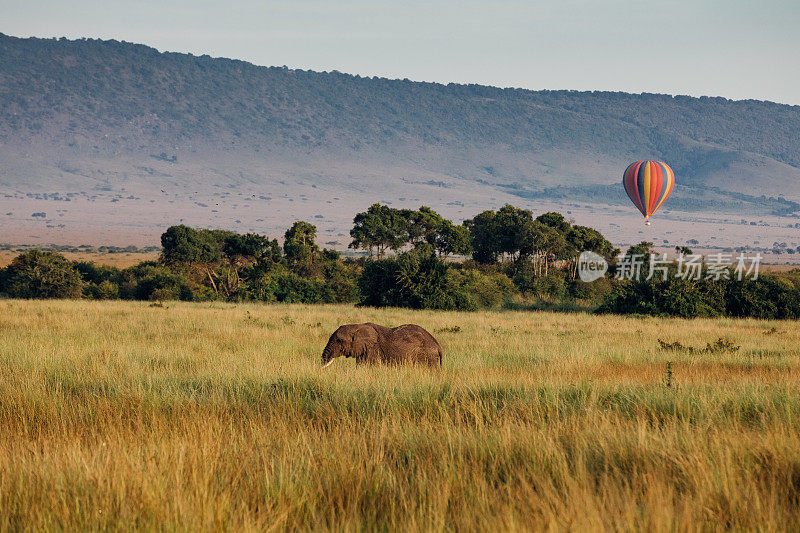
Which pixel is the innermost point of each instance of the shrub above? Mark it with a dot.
(105, 290)
(3, 280)
(595, 291)
(416, 279)
(149, 281)
(671, 297)
(285, 286)
(551, 286)
(341, 284)
(490, 289)
(100, 282)
(766, 297)
(38, 274)
(377, 283)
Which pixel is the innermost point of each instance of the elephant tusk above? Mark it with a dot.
(329, 363)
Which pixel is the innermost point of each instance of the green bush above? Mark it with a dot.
(377, 283)
(149, 281)
(552, 286)
(105, 290)
(671, 297)
(341, 283)
(767, 297)
(285, 286)
(100, 282)
(595, 291)
(38, 274)
(3, 280)
(487, 289)
(415, 279)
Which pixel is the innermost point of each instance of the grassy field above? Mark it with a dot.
(118, 415)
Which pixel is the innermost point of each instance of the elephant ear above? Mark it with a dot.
(365, 344)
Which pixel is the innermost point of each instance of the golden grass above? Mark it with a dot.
(119, 415)
(119, 260)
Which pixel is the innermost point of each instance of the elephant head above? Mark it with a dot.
(352, 340)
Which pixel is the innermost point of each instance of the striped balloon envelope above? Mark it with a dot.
(648, 184)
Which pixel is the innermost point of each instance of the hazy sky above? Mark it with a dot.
(732, 48)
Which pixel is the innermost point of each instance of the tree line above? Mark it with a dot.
(507, 257)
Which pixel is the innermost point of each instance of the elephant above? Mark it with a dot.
(372, 343)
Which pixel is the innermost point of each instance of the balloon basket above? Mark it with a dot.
(646, 222)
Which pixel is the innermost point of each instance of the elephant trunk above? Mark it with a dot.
(327, 358)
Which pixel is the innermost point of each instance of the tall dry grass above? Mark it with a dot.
(119, 415)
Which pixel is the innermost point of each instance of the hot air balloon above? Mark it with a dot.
(648, 184)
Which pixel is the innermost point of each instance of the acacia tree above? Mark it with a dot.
(555, 221)
(299, 245)
(483, 230)
(380, 227)
(190, 248)
(497, 234)
(513, 231)
(242, 251)
(251, 248)
(542, 243)
(422, 225)
(582, 238)
(452, 239)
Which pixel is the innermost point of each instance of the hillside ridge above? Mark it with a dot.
(110, 119)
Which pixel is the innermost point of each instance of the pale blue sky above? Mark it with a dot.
(732, 48)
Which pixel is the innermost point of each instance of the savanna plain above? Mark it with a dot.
(207, 416)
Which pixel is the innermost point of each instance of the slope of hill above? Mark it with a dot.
(130, 133)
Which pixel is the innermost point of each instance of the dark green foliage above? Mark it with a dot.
(484, 289)
(202, 264)
(3, 281)
(770, 296)
(415, 279)
(421, 225)
(252, 247)
(595, 291)
(671, 297)
(380, 228)
(104, 290)
(514, 233)
(643, 249)
(149, 281)
(377, 283)
(483, 229)
(421, 282)
(182, 244)
(766, 297)
(100, 282)
(38, 274)
(383, 228)
(553, 285)
(299, 244)
(580, 238)
(555, 221)
(452, 239)
(341, 278)
(288, 287)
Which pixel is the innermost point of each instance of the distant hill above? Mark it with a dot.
(114, 120)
